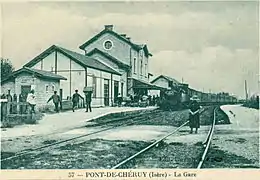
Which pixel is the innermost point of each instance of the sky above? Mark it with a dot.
(212, 46)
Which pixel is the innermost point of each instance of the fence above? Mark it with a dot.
(16, 111)
(67, 104)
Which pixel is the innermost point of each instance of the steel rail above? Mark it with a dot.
(28, 151)
(155, 143)
(148, 147)
(208, 140)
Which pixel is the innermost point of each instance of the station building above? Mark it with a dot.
(111, 64)
(25, 79)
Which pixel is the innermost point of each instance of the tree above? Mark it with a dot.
(6, 68)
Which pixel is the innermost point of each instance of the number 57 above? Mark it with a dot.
(71, 174)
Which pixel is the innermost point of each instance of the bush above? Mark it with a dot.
(252, 103)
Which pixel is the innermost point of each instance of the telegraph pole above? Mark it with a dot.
(246, 90)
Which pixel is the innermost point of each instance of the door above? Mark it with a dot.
(122, 89)
(116, 86)
(61, 97)
(106, 92)
(25, 89)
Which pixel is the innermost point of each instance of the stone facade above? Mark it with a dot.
(44, 88)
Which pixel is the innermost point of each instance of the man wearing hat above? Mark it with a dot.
(194, 118)
(75, 99)
(56, 100)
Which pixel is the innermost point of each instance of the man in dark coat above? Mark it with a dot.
(75, 99)
(194, 118)
(56, 100)
(22, 99)
(88, 101)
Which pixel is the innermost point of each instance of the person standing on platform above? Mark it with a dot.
(56, 100)
(75, 99)
(194, 117)
(88, 101)
(119, 99)
(31, 101)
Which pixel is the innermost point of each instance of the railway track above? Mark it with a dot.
(141, 118)
(206, 144)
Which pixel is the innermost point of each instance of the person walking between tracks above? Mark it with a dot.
(88, 101)
(56, 100)
(31, 101)
(75, 99)
(194, 116)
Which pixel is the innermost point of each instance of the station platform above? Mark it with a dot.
(52, 123)
(242, 117)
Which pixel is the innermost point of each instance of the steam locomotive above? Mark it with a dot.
(174, 100)
(177, 98)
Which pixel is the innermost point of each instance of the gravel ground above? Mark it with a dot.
(234, 150)
(165, 118)
(236, 145)
(172, 155)
(92, 154)
(100, 153)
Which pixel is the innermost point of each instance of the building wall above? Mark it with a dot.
(6, 86)
(44, 90)
(39, 85)
(142, 65)
(162, 83)
(121, 79)
(159, 82)
(67, 68)
(123, 52)
(24, 79)
(105, 61)
(120, 49)
(76, 74)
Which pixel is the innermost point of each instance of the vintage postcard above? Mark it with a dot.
(129, 90)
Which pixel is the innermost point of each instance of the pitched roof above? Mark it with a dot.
(115, 60)
(167, 78)
(140, 84)
(145, 48)
(81, 59)
(37, 73)
(123, 38)
(43, 73)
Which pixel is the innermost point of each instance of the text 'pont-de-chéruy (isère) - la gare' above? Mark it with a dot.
(133, 174)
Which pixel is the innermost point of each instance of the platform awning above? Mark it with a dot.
(139, 84)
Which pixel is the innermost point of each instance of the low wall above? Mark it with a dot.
(13, 114)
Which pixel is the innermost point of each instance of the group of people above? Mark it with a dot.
(30, 98)
(75, 100)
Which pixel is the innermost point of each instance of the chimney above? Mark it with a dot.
(109, 27)
(123, 35)
(128, 38)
